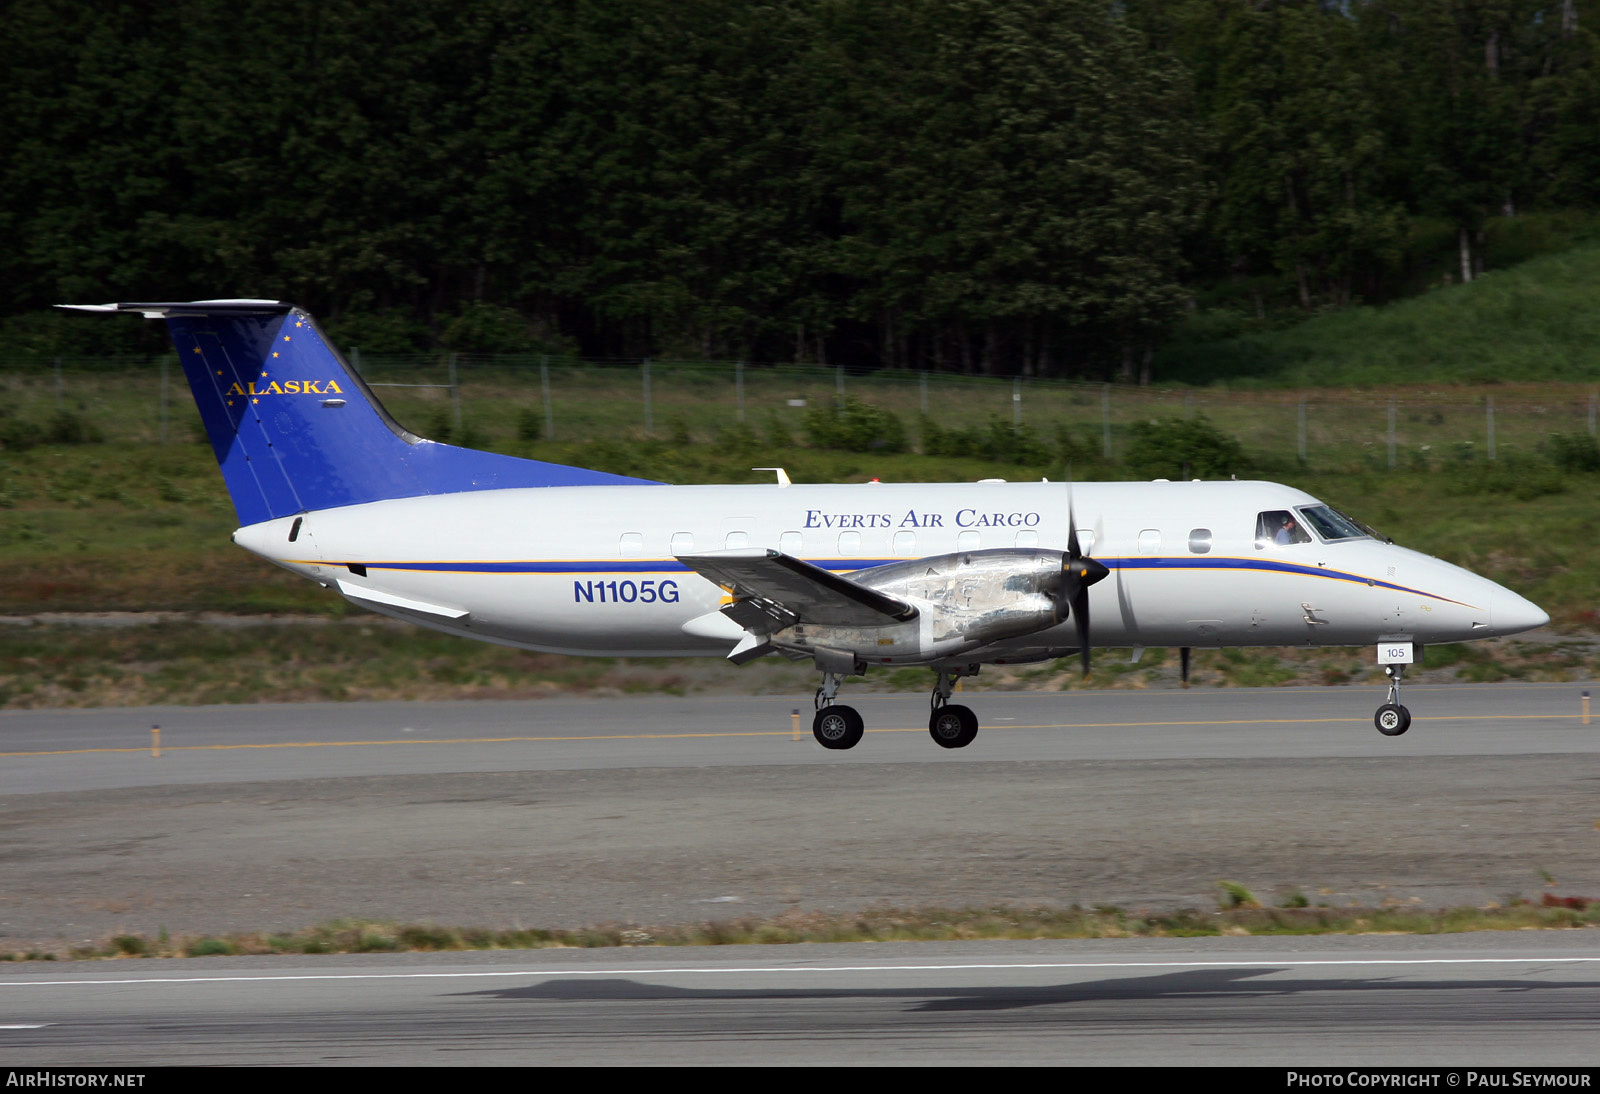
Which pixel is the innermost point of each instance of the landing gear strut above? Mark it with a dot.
(835, 725)
(950, 725)
(1393, 719)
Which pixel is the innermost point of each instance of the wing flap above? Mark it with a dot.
(773, 590)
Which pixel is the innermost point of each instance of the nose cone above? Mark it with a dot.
(1511, 614)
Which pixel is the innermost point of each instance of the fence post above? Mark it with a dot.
(59, 391)
(355, 359)
(1489, 405)
(839, 382)
(1188, 404)
(923, 383)
(1105, 419)
(1302, 428)
(1592, 399)
(163, 400)
(738, 383)
(544, 387)
(1016, 401)
(649, 414)
(1391, 433)
(455, 398)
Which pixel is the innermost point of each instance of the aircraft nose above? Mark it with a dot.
(1511, 613)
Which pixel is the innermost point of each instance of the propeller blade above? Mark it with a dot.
(1080, 615)
(1078, 572)
(1073, 550)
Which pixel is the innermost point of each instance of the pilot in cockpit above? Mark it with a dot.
(1279, 528)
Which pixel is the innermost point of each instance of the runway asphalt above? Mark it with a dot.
(1450, 1004)
(67, 750)
(672, 810)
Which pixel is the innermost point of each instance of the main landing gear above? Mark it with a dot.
(837, 726)
(1393, 719)
(950, 725)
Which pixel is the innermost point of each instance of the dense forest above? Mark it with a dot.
(1042, 187)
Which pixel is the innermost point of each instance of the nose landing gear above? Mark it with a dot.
(1392, 719)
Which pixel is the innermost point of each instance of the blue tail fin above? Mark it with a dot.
(295, 429)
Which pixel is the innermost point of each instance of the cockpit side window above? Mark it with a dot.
(1279, 528)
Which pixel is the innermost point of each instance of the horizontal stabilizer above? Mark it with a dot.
(402, 603)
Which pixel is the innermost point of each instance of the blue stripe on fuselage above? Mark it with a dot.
(845, 565)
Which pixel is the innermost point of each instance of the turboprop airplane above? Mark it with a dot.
(949, 576)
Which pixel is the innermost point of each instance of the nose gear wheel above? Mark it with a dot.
(1392, 719)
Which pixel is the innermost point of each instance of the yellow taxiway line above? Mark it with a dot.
(773, 733)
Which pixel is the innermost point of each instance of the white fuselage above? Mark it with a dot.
(592, 569)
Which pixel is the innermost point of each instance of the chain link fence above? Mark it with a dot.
(492, 401)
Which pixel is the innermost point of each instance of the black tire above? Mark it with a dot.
(953, 726)
(837, 727)
(1392, 720)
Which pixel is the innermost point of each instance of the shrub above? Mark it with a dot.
(1183, 448)
(17, 435)
(1002, 441)
(1235, 895)
(1574, 453)
(69, 428)
(1523, 477)
(855, 426)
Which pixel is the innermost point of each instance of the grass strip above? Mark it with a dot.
(888, 924)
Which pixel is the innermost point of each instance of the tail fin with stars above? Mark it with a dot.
(294, 427)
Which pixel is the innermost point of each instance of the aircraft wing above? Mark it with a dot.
(773, 590)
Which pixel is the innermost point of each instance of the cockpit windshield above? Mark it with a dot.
(1332, 525)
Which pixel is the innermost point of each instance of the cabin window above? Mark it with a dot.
(736, 539)
(631, 545)
(1279, 528)
(967, 541)
(905, 543)
(1150, 541)
(789, 543)
(682, 543)
(1200, 541)
(849, 542)
(1027, 538)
